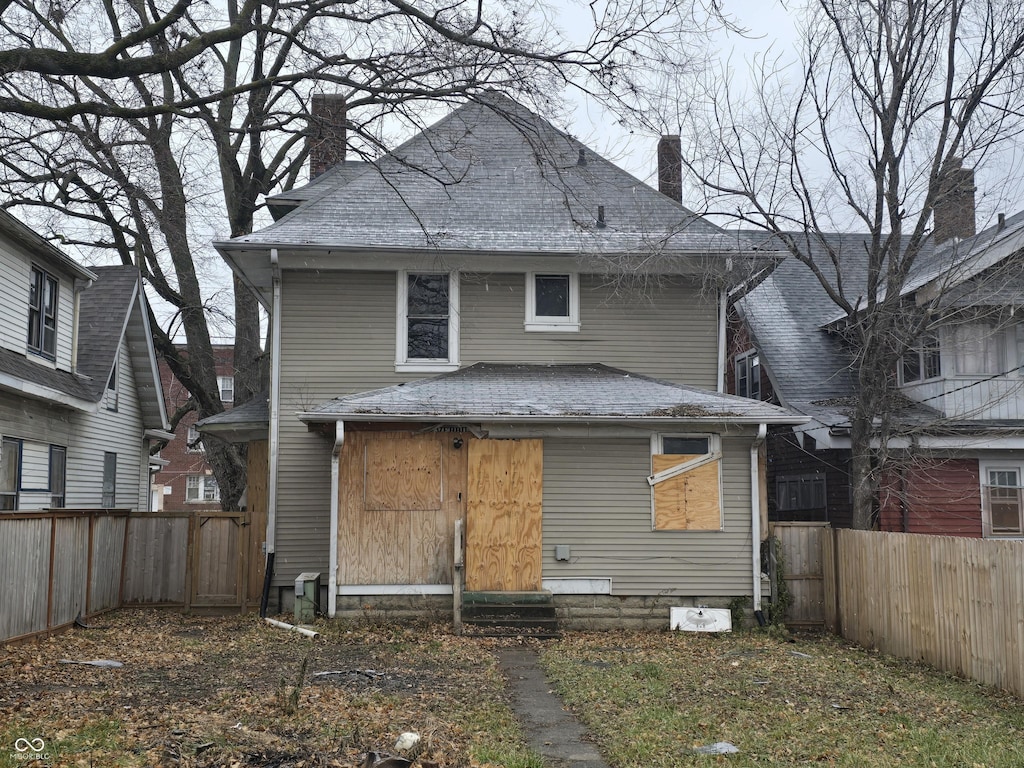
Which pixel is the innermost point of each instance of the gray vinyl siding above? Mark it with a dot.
(117, 431)
(15, 272)
(338, 337)
(597, 501)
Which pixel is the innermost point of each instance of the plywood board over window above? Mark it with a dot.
(687, 495)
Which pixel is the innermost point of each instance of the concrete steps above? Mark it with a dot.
(509, 614)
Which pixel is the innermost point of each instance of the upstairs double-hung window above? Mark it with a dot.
(552, 302)
(42, 314)
(428, 322)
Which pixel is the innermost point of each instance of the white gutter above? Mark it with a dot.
(332, 574)
(755, 511)
(722, 300)
(490, 418)
(275, 396)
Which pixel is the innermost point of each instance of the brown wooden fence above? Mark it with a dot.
(956, 604)
(799, 558)
(56, 566)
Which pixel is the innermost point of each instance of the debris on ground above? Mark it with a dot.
(104, 663)
(718, 748)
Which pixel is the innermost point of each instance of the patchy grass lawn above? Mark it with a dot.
(237, 692)
(234, 692)
(649, 700)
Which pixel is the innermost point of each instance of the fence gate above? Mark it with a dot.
(800, 551)
(218, 559)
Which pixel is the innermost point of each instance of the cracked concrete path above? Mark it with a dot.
(552, 730)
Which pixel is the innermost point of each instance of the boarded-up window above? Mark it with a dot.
(686, 486)
(403, 475)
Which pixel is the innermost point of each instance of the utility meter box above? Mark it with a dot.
(307, 597)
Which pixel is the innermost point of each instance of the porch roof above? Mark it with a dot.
(590, 392)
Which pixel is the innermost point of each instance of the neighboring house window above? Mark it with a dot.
(193, 443)
(922, 361)
(58, 471)
(428, 322)
(112, 387)
(200, 488)
(10, 473)
(1002, 507)
(109, 480)
(799, 492)
(748, 376)
(552, 302)
(979, 348)
(227, 388)
(42, 314)
(686, 483)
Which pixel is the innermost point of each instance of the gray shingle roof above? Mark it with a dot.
(104, 308)
(18, 366)
(576, 392)
(491, 176)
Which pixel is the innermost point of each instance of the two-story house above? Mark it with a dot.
(80, 400)
(186, 482)
(493, 329)
(957, 464)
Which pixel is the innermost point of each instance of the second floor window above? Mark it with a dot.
(748, 376)
(201, 488)
(552, 302)
(428, 327)
(226, 384)
(42, 314)
(922, 361)
(800, 492)
(193, 443)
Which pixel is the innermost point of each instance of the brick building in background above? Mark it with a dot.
(187, 483)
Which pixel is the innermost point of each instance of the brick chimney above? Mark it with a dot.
(954, 207)
(670, 168)
(325, 135)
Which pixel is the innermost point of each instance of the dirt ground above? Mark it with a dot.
(233, 692)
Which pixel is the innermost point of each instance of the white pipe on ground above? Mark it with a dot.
(292, 627)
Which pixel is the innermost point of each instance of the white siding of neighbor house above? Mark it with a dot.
(338, 337)
(119, 432)
(15, 274)
(598, 502)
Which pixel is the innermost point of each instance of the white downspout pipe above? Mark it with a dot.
(275, 401)
(332, 574)
(755, 511)
(722, 302)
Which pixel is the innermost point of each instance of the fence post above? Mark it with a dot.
(836, 589)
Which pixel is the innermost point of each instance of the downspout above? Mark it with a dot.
(722, 301)
(755, 516)
(273, 438)
(332, 574)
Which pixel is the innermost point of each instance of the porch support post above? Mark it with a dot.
(723, 298)
(332, 575)
(755, 511)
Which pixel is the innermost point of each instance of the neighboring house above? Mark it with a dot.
(80, 402)
(186, 482)
(455, 342)
(958, 468)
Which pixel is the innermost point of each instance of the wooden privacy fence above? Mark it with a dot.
(956, 604)
(58, 565)
(799, 557)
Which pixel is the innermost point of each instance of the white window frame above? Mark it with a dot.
(405, 364)
(220, 388)
(714, 453)
(114, 384)
(984, 468)
(548, 323)
(743, 362)
(193, 441)
(200, 484)
(927, 348)
(40, 280)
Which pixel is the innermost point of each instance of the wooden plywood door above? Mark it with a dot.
(503, 515)
(399, 497)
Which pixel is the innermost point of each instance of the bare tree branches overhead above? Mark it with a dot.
(142, 129)
(895, 99)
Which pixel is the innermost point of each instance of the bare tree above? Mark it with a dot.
(895, 96)
(139, 129)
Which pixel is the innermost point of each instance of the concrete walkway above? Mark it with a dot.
(552, 731)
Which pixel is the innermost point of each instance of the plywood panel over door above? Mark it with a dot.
(399, 495)
(503, 516)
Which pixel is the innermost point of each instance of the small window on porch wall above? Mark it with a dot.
(428, 322)
(686, 483)
(552, 302)
(1003, 501)
(922, 361)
